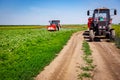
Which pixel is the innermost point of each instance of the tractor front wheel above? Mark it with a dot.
(91, 35)
(112, 34)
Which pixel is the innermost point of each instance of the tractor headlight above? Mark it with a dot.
(100, 27)
(104, 27)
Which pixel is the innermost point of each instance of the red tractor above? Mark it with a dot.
(100, 23)
(54, 25)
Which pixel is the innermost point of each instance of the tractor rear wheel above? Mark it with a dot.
(91, 35)
(57, 28)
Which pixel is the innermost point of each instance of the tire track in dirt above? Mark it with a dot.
(64, 66)
(107, 59)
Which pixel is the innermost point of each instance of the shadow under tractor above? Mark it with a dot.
(100, 23)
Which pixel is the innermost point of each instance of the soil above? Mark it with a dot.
(66, 65)
(106, 58)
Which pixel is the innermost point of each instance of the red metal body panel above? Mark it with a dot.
(52, 27)
(110, 21)
(90, 19)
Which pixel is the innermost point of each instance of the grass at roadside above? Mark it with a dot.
(117, 30)
(25, 52)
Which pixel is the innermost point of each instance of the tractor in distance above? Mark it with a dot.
(54, 25)
(100, 23)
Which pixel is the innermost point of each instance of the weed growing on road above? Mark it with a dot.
(88, 59)
(88, 68)
(86, 48)
(85, 74)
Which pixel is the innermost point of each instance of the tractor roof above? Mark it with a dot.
(55, 20)
(102, 8)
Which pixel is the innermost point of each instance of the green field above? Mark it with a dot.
(25, 52)
(3, 27)
(117, 30)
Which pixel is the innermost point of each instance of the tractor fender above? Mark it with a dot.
(112, 29)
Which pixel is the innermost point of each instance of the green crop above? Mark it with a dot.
(117, 31)
(25, 52)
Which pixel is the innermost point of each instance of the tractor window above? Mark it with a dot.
(55, 23)
(100, 16)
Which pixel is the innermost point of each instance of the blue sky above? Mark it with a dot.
(39, 12)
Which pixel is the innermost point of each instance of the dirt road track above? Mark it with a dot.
(65, 66)
(107, 59)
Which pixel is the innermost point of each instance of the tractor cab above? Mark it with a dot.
(54, 25)
(101, 15)
(100, 22)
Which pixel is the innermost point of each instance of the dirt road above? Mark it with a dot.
(107, 58)
(65, 66)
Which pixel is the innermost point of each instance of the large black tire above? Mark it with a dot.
(57, 27)
(91, 35)
(107, 36)
(112, 34)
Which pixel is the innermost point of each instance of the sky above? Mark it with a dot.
(39, 12)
